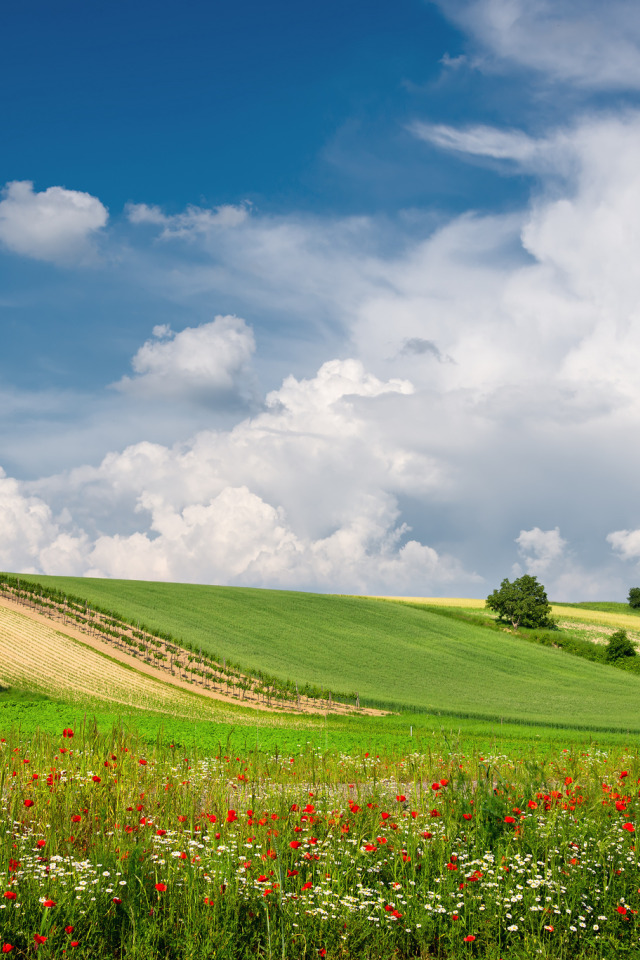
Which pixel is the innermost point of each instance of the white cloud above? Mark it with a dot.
(540, 549)
(192, 222)
(31, 540)
(626, 543)
(303, 495)
(573, 41)
(56, 224)
(198, 362)
(483, 141)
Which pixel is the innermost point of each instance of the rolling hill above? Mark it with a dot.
(393, 654)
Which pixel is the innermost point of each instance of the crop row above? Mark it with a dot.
(166, 652)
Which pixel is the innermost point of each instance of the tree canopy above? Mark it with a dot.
(522, 603)
(634, 597)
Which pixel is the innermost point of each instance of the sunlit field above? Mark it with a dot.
(115, 848)
(398, 656)
(141, 821)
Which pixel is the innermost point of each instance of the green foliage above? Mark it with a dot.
(396, 655)
(522, 603)
(634, 598)
(619, 646)
(156, 865)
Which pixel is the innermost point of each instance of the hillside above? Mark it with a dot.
(34, 654)
(390, 653)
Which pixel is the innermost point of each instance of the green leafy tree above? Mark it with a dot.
(522, 603)
(634, 597)
(619, 647)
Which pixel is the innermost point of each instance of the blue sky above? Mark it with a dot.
(336, 298)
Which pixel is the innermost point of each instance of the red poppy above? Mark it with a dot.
(29, 803)
(231, 816)
(509, 819)
(400, 797)
(116, 900)
(67, 733)
(68, 929)
(295, 844)
(161, 887)
(75, 943)
(39, 938)
(629, 827)
(469, 939)
(10, 895)
(49, 903)
(41, 843)
(76, 818)
(622, 911)
(96, 779)
(7, 947)
(142, 762)
(161, 833)
(307, 886)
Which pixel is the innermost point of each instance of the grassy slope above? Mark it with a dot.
(391, 653)
(611, 611)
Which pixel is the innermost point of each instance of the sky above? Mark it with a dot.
(342, 298)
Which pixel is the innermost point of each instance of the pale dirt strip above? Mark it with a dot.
(69, 662)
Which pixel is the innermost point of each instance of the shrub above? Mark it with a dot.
(619, 646)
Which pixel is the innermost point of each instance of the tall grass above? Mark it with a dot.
(114, 847)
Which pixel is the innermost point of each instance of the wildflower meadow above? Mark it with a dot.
(115, 848)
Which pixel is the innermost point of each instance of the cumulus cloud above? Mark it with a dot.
(565, 40)
(538, 307)
(626, 543)
(55, 224)
(540, 549)
(32, 540)
(198, 363)
(304, 495)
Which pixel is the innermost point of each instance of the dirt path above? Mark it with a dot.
(165, 677)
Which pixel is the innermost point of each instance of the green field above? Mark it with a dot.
(397, 655)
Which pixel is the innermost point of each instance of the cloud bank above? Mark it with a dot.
(302, 495)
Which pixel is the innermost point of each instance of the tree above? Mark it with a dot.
(634, 597)
(619, 647)
(522, 603)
